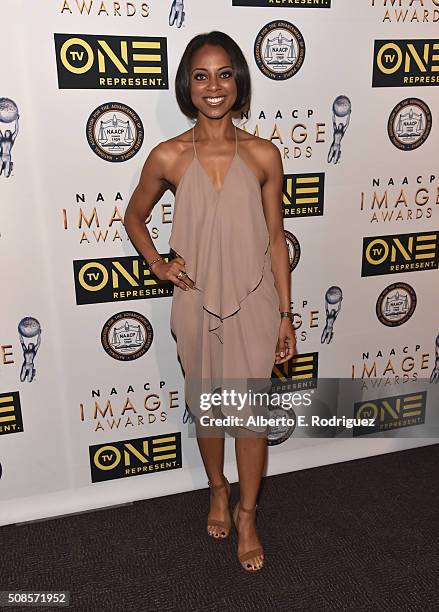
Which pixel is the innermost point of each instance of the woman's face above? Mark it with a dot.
(213, 85)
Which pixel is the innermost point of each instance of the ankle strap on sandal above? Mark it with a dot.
(220, 486)
(252, 511)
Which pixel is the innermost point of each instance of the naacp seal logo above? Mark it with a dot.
(114, 132)
(279, 50)
(409, 124)
(293, 249)
(396, 304)
(127, 336)
(284, 427)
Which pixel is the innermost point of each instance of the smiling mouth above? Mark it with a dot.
(215, 101)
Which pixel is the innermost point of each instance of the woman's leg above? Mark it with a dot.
(211, 445)
(212, 453)
(251, 453)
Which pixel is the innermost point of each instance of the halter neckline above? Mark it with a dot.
(196, 158)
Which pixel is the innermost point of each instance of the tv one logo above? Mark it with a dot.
(400, 253)
(115, 279)
(303, 195)
(11, 420)
(284, 3)
(86, 61)
(391, 412)
(300, 372)
(144, 455)
(406, 63)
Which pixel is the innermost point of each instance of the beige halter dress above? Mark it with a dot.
(227, 328)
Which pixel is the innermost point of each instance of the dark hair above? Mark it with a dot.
(239, 64)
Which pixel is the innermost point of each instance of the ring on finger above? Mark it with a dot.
(181, 274)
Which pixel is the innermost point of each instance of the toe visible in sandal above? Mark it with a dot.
(253, 560)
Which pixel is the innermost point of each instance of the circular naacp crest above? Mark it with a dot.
(279, 50)
(114, 132)
(127, 335)
(396, 304)
(280, 432)
(409, 124)
(293, 249)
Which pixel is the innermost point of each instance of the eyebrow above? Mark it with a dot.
(205, 69)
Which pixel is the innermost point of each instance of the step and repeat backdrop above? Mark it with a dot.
(92, 410)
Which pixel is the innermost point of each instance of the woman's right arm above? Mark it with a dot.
(148, 192)
(152, 185)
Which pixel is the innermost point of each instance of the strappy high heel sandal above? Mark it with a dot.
(249, 559)
(215, 528)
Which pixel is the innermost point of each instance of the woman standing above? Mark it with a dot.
(231, 303)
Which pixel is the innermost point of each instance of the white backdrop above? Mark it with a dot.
(57, 181)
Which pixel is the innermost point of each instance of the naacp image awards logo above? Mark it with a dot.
(127, 336)
(114, 132)
(409, 124)
(396, 304)
(293, 249)
(8, 133)
(279, 50)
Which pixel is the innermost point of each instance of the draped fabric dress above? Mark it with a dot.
(227, 328)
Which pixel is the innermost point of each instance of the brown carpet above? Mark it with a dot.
(357, 536)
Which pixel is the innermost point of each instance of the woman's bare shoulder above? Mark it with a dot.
(263, 150)
(171, 149)
(166, 158)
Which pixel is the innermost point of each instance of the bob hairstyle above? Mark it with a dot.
(239, 65)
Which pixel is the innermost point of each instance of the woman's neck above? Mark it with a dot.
(214, 129)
